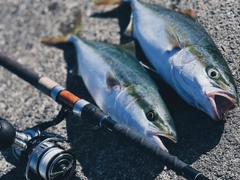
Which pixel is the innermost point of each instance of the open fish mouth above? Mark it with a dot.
(221, 102)
(158, 141)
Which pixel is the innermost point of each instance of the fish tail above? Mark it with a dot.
(106, 2)
(77, 24)
(64, 39)
(54, 40)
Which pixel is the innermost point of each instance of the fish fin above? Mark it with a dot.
(112, 83)
(106, 2)
(189, 12)
(129, 47)
(77, 24)
(152, 73)
(129, 29)
(54, 40)
(174, 42)
(64, 39)
(147, 68)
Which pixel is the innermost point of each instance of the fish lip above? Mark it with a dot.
(158, 141)
(230, 102)
(170, 135)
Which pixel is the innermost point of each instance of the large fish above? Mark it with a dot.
(121, 87)
(184, 55)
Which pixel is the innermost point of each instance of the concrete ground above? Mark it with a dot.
(211, 147)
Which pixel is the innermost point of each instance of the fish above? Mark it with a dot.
(181, 51)
(120, 86)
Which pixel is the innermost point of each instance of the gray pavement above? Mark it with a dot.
(211, 147)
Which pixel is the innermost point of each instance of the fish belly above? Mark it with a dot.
(93, 69)
(153, 35)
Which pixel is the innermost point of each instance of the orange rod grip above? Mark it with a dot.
(67, 98)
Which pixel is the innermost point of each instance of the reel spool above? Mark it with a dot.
(49, 161)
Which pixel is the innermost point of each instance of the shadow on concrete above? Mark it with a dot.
(100, 153)
(122, 13)
(104, 156)
(197, 132)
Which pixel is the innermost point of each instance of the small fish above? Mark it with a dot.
(120, 87)
(184, 55)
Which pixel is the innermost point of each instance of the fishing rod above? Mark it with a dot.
(90, 112)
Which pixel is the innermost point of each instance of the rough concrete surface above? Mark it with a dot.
(211, 147)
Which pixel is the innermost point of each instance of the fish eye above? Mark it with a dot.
(151, 115)
(213, 73)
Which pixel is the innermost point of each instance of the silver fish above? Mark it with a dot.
(184, 55)
(121, 87)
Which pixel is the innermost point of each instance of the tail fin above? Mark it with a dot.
(77, 24)
(63, 39)
(106, 2)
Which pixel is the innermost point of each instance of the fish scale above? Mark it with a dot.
(172, 43)
(177, 21)
(121, 87)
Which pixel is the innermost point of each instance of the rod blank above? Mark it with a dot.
(20, 70)
(98, 117)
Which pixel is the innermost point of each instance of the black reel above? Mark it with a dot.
(39, 152)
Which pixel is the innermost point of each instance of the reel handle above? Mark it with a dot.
(7, 134)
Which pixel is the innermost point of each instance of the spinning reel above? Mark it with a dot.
(39, 151)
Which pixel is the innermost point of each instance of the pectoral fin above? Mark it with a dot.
(149, 69)
(112, 83)
(173, 40)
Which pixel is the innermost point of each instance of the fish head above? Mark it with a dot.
(147, 115)
(202, 77)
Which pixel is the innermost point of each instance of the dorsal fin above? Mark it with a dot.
(129, 47)
(129, 29)
(189, 12)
